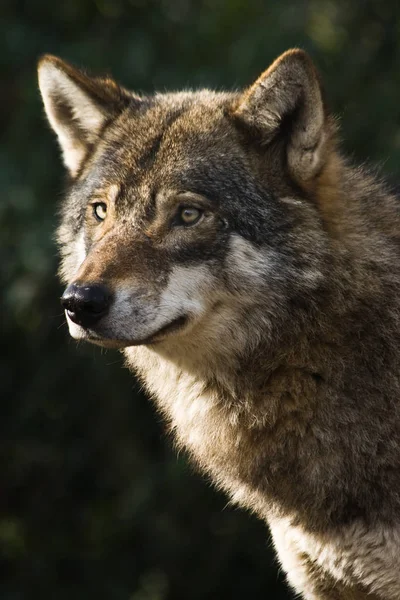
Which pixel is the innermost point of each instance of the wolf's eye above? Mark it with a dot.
(100, 211)
(189, 215)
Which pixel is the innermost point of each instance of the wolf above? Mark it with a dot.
(250, 274)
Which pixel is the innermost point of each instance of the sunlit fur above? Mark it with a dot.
(282, 378)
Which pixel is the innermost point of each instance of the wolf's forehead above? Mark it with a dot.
(170, 144)
(169, 126)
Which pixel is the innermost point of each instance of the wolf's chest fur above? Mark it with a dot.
(225, 440)
(253, 440)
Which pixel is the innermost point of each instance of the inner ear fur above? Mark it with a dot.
(78, 106)
(288, 98)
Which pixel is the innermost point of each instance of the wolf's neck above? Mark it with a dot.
(278, 437)
(249, 437)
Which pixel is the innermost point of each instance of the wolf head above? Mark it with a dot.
(191, 215)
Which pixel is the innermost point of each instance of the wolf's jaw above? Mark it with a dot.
(93, 337)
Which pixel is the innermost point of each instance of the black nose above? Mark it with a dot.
(86, 303)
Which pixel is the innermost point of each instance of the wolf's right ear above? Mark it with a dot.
(289, 93)
(78, 107)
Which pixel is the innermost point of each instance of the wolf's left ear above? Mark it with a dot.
(77, 106)
(289, 93)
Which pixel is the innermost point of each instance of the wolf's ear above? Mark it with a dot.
(77, 106)
(289, 95)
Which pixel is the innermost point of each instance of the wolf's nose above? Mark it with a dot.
(86, 303)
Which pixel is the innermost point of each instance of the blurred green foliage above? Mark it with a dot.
(94, 503)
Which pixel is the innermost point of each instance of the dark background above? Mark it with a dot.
(94, 502)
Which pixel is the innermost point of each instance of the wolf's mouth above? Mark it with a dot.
(174, 325)
(110, 342)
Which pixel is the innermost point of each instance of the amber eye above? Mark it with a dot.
(100, 211)
(189, 215)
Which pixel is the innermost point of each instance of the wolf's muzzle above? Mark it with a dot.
(86, 303)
